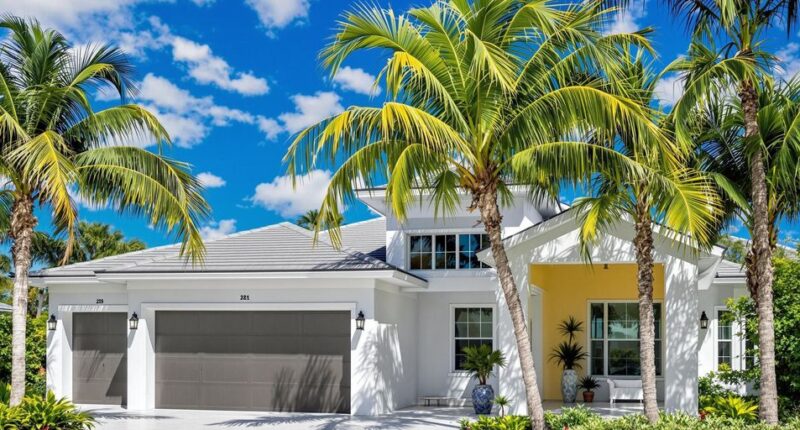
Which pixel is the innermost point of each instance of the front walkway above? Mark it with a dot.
(416, 418)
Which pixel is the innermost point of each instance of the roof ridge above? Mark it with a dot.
(353, 252)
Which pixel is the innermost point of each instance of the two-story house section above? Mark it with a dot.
(272, 321)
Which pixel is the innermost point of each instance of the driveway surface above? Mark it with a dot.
(110, 418)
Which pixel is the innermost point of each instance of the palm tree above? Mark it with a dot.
(479, 95)
(54, 144)
(644, 206)
(741, 65)
(725, 152)
(309, 219)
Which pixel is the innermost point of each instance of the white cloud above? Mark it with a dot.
(669, 90)
(627, 20)
(207, 68)
(65, 13)
(217, 230)
(187, 118)
(308, 110)
(275, 14)
(790, 63)
(210, 180)
(356, 80)
(280, 196)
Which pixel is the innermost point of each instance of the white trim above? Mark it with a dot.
(452, 332)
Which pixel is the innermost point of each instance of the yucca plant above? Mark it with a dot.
(568, 355)
(54, 145)
(50, 413)
(479, 96)
(570, 327)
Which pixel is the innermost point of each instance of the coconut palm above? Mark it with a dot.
(479, 95)
(692, 213)
(741, 65)
(53, 145)
(725, 153)
(308, 220)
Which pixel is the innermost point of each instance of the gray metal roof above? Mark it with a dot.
(729, 269)
(281, 247)
(5, 308)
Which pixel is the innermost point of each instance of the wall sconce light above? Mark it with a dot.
(360, 320)
(605, 266)
(52, 323)
(133, 323)
(703, 320)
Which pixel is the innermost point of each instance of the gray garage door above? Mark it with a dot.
(99, 358)
(243, 360)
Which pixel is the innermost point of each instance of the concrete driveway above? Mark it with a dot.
(110, 418)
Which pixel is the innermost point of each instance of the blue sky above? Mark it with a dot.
(233, 79)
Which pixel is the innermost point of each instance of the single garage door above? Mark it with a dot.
(99, 358)
(253, 360)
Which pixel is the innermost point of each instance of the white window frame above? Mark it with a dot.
(451, 320)
(738, 342)
(432, 235)
(588, 329)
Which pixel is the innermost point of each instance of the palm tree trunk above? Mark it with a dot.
(643, 243)
(486, 200)
(762, 262)
(22, 223)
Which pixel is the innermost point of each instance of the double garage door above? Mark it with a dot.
(237, 360)
(264, 361)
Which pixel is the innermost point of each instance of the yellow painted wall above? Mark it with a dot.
(567, 290)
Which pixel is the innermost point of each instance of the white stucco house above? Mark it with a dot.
(269, 321)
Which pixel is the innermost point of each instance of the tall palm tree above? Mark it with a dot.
(309, 219)
(741, 65)
(53, 144)
(479, 95)
(725, 153)
(638, 201)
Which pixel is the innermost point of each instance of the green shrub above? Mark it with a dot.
(508, 422)
(570, 417)
(50, 413)
(5, 393)
(733, 407)
(8, 417)
(35, 353)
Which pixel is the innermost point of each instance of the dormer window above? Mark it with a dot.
(446, 251)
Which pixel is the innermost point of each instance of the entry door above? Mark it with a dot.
(253, 360)
(99, 358)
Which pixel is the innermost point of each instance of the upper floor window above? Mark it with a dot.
(446, 251)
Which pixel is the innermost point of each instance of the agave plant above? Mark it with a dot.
(481, 361)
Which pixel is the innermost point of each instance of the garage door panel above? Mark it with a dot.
(270, 361)
(99, 358)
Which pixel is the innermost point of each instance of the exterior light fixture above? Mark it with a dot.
(360, 320)
(605, 266)
(52, 323)
(133, 323)
(703, 320)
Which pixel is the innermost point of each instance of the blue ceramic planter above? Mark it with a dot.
(482, 396)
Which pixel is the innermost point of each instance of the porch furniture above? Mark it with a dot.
(625, 389)
(429, 399)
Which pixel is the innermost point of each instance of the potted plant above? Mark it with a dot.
(588, 384)
(568, 355)
(480, 361)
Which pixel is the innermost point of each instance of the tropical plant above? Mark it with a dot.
(481, 361)
(501, 402)
(8, 417)
(506, 422)
(568, 355)
(741, 65)
(569, 418)
(54, 146)
(35, 353)
(50, 413)
(308, 220)
(481, 95)
(691, 213)
(570, 327)
(733, 407)
(5, 393)
(588, 383)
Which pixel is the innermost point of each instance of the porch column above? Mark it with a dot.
(682, 314)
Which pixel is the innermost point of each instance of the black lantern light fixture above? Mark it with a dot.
(52, 323)
(133, 323)
(703, 320)
(360, 320)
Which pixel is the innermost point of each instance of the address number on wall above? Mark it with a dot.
(244, 297)
(99, 301)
